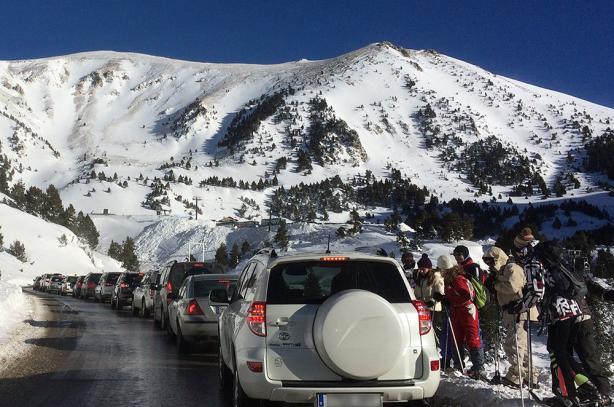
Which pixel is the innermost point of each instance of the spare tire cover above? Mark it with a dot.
(358, 334)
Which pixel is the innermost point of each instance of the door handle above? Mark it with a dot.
(281, 321)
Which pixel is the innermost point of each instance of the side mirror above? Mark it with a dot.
(219, 295)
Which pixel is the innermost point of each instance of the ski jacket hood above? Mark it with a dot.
(499, 256)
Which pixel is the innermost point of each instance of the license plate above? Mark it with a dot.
(346, 399)
(219, 309)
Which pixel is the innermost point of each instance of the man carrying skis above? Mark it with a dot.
(559, 308)
(509, 280)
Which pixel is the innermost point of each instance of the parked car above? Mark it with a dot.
(143, 294)
(37, 283)
(345, 327)
(89, 285)
(46, 281)
(171, 279)
(68, 285)
(55, 284)
(105, 286)
(122, 292)
(192, 316)
(76, 292)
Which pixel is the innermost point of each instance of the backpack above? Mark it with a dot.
(567, 282)
(481, 296)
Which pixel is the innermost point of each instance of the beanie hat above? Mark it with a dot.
(462, 250)
(523, 238)
(425, 262)
(445, 262)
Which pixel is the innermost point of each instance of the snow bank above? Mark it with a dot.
(14, 308)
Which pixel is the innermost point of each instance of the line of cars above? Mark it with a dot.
(177, 297)
(309, 328)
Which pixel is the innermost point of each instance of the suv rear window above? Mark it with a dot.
(56, 279)
(94, 278)
(202, 288)
(312, 282)
(112, 277)
(178, 275)
(71, 279)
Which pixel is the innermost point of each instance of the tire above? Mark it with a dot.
(163, 320)
(240, 399)
(183, 347)
(142, 312)
(169, 329)
(156, 321)
(225, 379)
(113, 304)
(134, 309)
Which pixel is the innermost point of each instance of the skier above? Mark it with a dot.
(464, 319)
(509, 280)
(461, 254)
(560, 310)
(429, 282)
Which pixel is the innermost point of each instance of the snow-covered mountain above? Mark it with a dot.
(131, 118)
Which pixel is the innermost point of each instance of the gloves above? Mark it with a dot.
(512, 308)
(438, 297)
(431, 304)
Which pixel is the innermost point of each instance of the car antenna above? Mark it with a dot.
(328, 245)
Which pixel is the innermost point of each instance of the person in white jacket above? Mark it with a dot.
(429, 283)
(509, 281)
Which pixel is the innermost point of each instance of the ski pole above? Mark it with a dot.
(530, 349)
(497, 377)
(447, 341)
(518, 363)
(460, 360)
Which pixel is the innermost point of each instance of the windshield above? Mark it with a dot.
(202, 288)
(313, 282)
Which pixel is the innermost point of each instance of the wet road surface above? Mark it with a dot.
(92, 355)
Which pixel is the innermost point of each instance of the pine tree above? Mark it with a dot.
(234, 255)
(89, 232)
(34, 201)
(129, 260)
(221, 255)
(18, 250)
(53, 206)
(18, 193)
(4, 185)
(67, 219)
(245, 247)
(115, 251)
(402, 240)
(281, 236)
(557, 223)
(1, 239)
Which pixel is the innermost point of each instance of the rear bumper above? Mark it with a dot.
(200, 331)
(259, 386)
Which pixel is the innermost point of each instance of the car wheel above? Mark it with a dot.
(113, 304)
(142, 312)
(163, 321)
(135, 310)
(182, 345)
(224, 374)
(240, 399)
(157, 322)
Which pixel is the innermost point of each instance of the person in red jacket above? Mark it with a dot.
(465, 319)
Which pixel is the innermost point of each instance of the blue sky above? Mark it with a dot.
(562, 45)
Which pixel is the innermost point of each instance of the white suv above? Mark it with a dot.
(329, 330)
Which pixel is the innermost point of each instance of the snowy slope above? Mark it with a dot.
(45, 254)
(128, 114)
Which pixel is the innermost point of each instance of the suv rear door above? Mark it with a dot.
(295, 292)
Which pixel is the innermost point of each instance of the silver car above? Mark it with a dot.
(322, 329)
(193, 317)
(55, 284)
(68, 285)
(106, 284)
(143, 294)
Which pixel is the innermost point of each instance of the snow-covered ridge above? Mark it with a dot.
(140, 116)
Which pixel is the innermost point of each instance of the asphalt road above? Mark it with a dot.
(92, 355)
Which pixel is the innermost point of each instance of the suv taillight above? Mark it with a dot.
(256, 318)
(123, 285)
(424, 317)
(90, 285)
(193, 308)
